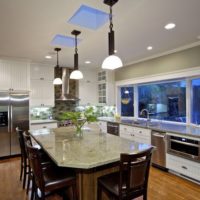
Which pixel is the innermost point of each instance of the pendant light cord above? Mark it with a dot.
(76, 49)
(57, 60)
(110, 17)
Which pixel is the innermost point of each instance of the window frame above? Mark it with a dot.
(187, 75)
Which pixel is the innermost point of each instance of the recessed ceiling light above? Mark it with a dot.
(149, 48)
(115, 51)
(87, 62)
(170, 26)
(48, 57)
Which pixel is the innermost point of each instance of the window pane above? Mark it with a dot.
(195, 101)
(127, 108)
(165, 101)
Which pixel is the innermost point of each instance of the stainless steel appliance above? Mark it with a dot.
(158, 139)
(14, 112)
(113, 128)
(184, 147)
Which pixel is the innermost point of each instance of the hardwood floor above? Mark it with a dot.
(162, 185)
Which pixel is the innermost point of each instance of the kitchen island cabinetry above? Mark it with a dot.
(14, 75)
(91, 156)
(137, 134)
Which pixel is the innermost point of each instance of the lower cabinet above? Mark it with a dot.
(136, 134)
(183, 166)
(45, 125)
(102, 126)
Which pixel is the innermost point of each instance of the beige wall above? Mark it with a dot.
(172, 62)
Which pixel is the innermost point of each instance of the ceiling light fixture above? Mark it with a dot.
(76, 73)
(48, 57)
(170, 26)
(112, 61)
(57, 80)
(87, 62)
(149, 48)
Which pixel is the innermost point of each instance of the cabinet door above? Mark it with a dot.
(36, 97)
(41, 126)
(87, 92)
(42, 72)
(19, 76)
(48, 93)
(42, 93)
(5, 76)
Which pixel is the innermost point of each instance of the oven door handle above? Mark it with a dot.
(185, 143)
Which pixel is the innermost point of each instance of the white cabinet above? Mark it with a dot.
(183, 166)
(45, 125)
(106, 89)
(103, 126)
(14, 75)
(88, 88)
(137, 134)
(42, 88)
(42, 72)
(42, 93)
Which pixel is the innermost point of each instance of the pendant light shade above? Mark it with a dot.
(112, 61)
(76, 73)
(57, 80)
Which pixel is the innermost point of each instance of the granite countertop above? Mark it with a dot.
(43, 121)
(186, 130)
(93, 150)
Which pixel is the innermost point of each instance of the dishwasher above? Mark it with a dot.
(158, 139)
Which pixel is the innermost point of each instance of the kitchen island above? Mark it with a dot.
(93, 155)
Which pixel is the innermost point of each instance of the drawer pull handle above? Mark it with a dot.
(184, 167)
(44, 127)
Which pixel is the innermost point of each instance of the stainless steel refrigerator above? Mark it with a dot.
(14, 112)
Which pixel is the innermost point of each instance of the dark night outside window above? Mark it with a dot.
(127, 108)
(164, 101)
(195, 101)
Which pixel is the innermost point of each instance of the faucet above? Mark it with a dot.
(147, 112)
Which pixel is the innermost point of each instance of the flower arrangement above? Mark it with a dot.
(80, 118)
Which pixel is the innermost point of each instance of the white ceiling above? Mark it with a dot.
(28, 26)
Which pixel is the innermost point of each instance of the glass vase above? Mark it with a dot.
(79, 131)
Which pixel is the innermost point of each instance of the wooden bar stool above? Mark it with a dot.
(51, 178)
(132, 179)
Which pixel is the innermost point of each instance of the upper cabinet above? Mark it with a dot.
(14, 75)
(88, 88)
(106, 88)
(42, 88)
(41, 72)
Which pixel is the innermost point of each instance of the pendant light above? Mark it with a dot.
(57, 80)
(76, 73)
(112, 61)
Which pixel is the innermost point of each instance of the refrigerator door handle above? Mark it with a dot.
(9, 119)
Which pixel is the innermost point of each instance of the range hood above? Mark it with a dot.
(65, 96)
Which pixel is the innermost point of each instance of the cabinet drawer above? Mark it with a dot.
(41, 126)
(124, 128)
(183, 166)
(142, 132)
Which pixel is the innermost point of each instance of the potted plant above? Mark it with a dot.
(80, 118)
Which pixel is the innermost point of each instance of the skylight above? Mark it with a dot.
(64, 41)
(89, 17)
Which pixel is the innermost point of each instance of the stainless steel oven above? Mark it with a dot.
(184, 147)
